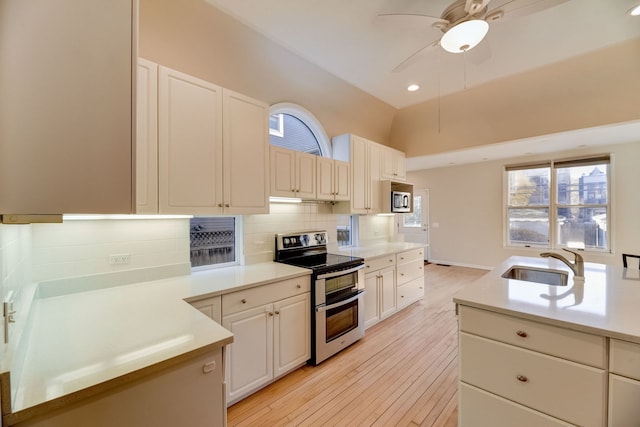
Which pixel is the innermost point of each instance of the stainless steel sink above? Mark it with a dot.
(537, 275)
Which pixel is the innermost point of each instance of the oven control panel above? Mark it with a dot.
(301, 240)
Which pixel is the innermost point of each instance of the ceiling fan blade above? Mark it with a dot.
(518, 8)
(414, 57)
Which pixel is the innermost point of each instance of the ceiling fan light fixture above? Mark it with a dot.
(464, 36)
(635, 11)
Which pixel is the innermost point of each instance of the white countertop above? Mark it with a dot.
(380, 249)
(605, 304)
(90, 340)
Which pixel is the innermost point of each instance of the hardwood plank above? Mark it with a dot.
(403, 372)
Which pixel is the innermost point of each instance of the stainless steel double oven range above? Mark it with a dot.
(337, 313)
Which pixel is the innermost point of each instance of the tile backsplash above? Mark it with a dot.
(83, 247)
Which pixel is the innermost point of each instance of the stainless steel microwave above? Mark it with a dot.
(400, 201)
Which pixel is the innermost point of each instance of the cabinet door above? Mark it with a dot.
(387, 290)
(292, 333)
(245, 154)
(325, 185)
(371, 309)
(66, 109)
(210, 307)
(190, 144)
(282, 172)
(249, 363)
(375, 185)
(624, 395)
(306, 176)
(360, 187)
(341, 187)
(393, 164)
(147, 137)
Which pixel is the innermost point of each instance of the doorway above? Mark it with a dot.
(415, 226)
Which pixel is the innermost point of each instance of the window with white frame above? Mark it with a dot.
(214, 241)
(559, 204)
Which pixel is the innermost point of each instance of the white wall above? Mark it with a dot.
(467, 202)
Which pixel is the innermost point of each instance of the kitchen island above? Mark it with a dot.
(91, 349)
(536, 354)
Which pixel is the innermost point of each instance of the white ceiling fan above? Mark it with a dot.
(465, 23)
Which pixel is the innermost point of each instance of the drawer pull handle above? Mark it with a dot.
(522, 334)
(522, 378)
(244, 301)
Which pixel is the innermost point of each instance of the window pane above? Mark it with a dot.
(414, 219)
(529, 226)
(583, 227)
(582, 185)
(212, 240)
(294, 135)
(345, 230)
(529, 187)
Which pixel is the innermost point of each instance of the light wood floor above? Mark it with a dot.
(402, 373)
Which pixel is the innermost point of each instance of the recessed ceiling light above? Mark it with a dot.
(413, 88)
(635, 11)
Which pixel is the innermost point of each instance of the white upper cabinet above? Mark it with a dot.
(190, 144)
(293, 173)
(333, 179)
(393, 164)
(147, 138)
(66, 108)
(212, 148)
(364, 158)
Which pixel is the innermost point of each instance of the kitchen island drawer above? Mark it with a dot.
(409, 271)
(260, 295)
(572, 345)
(378, 263)
(569, 391)
(411, 255)
(625, 358)
(410, 292)
(481, 409)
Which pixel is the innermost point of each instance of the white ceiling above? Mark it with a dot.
(348, 39)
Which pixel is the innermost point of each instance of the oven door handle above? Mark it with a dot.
(341, 303)
(340, 273)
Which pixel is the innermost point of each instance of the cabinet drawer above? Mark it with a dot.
(373, 264)
(625, 358)
(409, 271)
(410, 292)
(557, 387)
(411, 255)
(573, 345)
(260, 295)
(624, 395)
(481, 409)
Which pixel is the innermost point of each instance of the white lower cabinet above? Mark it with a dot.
(211, 307)
(380, 295)
(559, 387)
(409, 277)
(190, 393)
(624, 383)
(271, 334)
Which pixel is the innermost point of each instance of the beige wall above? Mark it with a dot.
(467, 202)
(198, 39)
(586, 91)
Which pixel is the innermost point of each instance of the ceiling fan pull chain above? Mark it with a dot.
(464, 55)
(439, 91)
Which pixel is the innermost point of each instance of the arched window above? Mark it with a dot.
(292, 126)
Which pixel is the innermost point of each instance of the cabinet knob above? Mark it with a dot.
(277, 312)
(522, 334)
(522, 378)
(402, 274)
(390, 260)
(270, 314)
(401, 257)
(244, 301)
(368, 266)
(219, 205)
(226, 205)
(298, 286)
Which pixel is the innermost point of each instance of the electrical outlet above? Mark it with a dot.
(119, 259)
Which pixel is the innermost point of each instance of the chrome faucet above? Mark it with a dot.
(577, 266)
